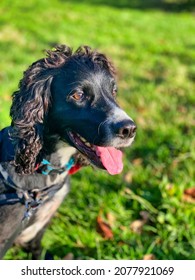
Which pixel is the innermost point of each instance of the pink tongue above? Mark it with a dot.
(111, 159)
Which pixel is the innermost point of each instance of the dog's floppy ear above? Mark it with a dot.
(30, 106)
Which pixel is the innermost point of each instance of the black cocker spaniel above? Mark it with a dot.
(64, 116)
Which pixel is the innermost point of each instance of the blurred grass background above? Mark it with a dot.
(152, 44)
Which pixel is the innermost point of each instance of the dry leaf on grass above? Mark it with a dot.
(149, 257)
(104, 228)
(69, 256)
(111, 219)
(190, 192)
(189, 195)
(137, 225)
(128, 177)
(137, 161)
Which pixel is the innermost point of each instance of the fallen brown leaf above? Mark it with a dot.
(149, 257)
(190, 192)
(111, 219)
(188, 199)
(104, 228)
(128, 177)
(189, 195)
(137, 225)
(69, 256)
(137, 161)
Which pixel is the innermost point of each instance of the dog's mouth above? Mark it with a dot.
(108, 158)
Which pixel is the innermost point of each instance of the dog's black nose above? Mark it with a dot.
(127, 129)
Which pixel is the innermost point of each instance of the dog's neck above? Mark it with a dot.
(62, 154)
(55, 150)
(63, 159)
(59, 153)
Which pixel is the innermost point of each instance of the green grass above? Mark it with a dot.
(154, 52)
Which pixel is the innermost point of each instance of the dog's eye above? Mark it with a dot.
(78, 96)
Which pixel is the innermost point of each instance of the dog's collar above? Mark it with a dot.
(45, 167)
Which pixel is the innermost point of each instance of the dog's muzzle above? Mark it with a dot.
(119, 130)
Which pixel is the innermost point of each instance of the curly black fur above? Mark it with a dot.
(32, 100)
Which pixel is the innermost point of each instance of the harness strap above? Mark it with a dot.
(32, 200)
(10, 198)
(5, 178)
(19, 196)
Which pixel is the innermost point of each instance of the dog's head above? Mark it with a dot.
(72, 96)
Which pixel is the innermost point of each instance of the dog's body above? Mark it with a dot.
(12, 216)
(64, 116)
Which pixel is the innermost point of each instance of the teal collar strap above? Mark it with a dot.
(47, 167)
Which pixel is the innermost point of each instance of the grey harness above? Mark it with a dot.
(31, 199)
